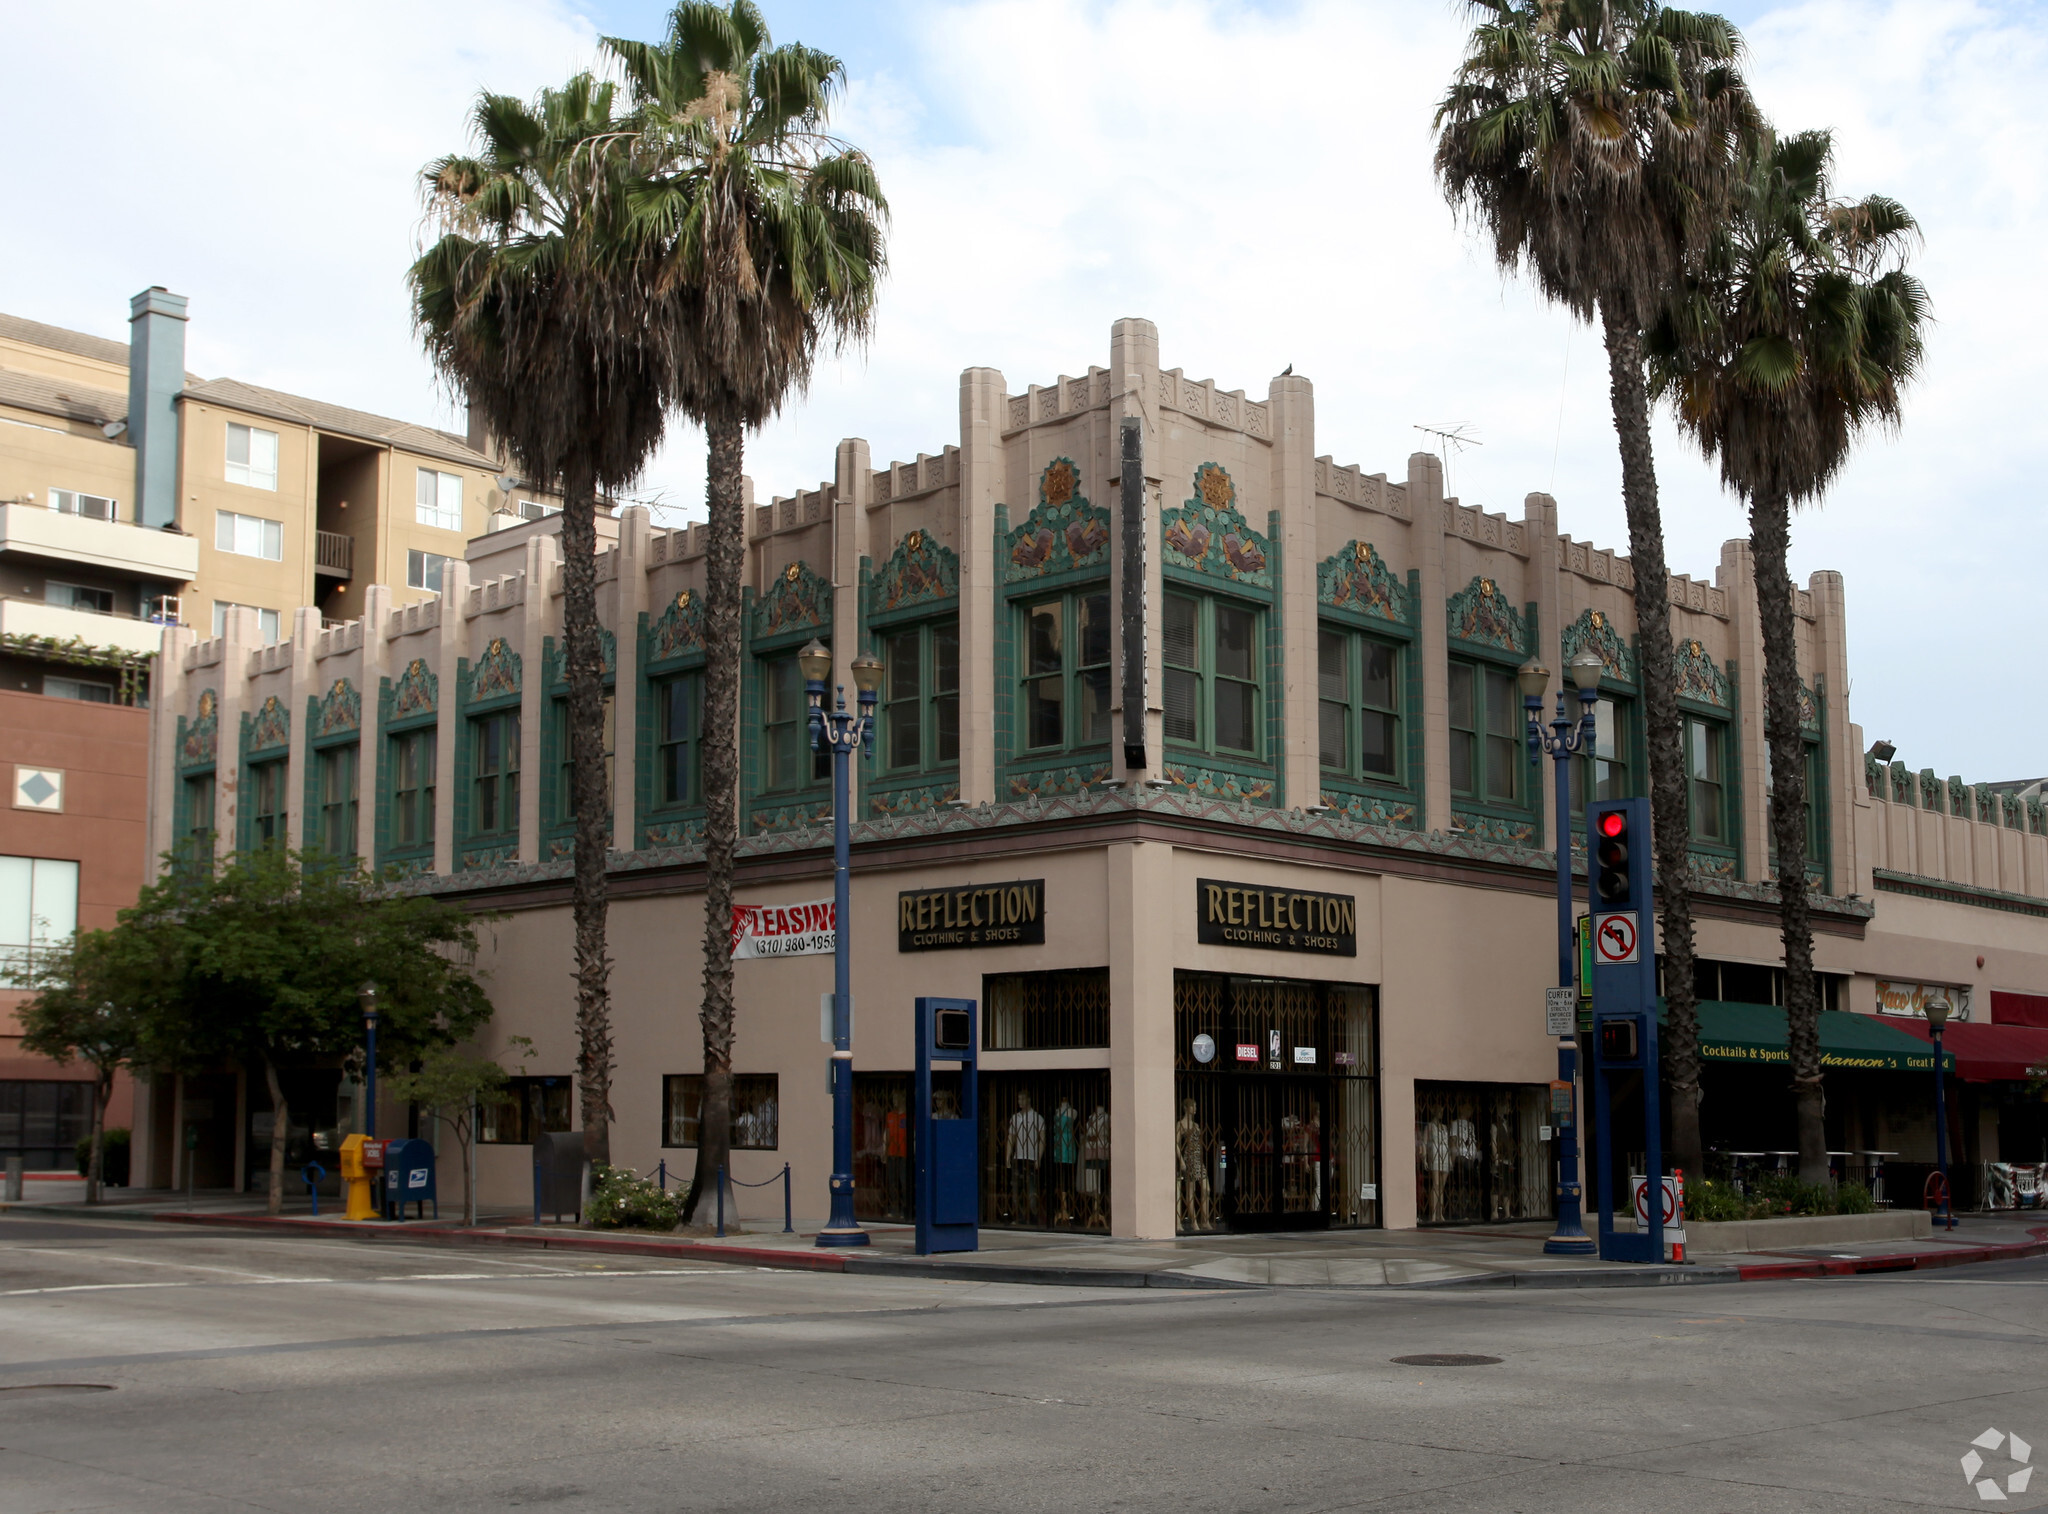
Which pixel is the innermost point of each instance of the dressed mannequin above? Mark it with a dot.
(1094, 1167)
(1064, 1120)
(1506, 1193)
(1024, 1149)
(1193, 1172)
(896, 1139)
(1436, 1164)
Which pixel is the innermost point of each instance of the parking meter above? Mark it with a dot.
(948, 1126)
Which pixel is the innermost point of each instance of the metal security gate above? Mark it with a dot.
(1481, 1153)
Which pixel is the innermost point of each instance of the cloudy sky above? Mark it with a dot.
(1253, 177)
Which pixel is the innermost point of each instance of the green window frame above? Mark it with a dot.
(1358, 705)
(921, 696)
(1063, 680)
(1487, 733)
(412, 788)
(1706, 780)
(791, 763)
(566, 779)
(1214, 653)
(678, 735)
(1815, 775)
(1606, 762)
(494, 773)
(267, 803)
(199, 813)
(336, 770)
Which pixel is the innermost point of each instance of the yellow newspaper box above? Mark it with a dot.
(362, 1168)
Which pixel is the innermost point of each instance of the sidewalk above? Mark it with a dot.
(1506, 1256)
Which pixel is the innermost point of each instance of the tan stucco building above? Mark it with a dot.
(1274, 957)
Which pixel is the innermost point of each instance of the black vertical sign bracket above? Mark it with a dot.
(1131, 502)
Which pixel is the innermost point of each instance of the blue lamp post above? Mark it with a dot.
(842, 735)
(367, 997)
(1565, 739)
(1937, 1011)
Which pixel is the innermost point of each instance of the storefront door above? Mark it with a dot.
(1275, 1175)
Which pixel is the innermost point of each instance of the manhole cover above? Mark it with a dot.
(1447, 1359)
(27, 1388)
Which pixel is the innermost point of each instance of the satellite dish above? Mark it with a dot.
(113, 429)
(509, 481)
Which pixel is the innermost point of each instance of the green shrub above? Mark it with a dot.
(1853, 1198)
(621, 1199)
(1709, 1200)
(113, 1156)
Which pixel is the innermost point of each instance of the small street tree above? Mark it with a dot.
(454, 1088)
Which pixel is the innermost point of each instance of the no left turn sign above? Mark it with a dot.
(1615, 939)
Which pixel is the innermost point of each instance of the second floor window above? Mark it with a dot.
(79, 597)
(412, 788)
(1066, 671)
(268, 622)
(610, 727)
(1605, 761)
(338, 800)
(199, 811)
(251, 456)
(677, 714)
(438, 500)
(791, 762)
(93, 506)
(1486, 733)
(38, 912)
(266, 820)
(495, 773)
(248, 535)
(1705, 784)
(1212, 659)
(423, 570)
(921, 696)
(1359, 705)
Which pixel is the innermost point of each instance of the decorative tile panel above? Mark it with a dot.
(920, 571)
(680, 629)
(910, 801)
(1357, 578)
(798, 600)
(1494, 828)
(1371, 809)
(1208, 535)
(271, 726)
(1062, 533)
(341, 709)
(202, 736)
(497, 671)
(1698, 676)
(1480, 613)
(1219, 783)
(1048, 781)
(1809, 710)
(417, 692)
(1595, 632)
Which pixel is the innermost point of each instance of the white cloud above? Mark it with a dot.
(1257, 183)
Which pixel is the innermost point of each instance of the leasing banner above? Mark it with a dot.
(783, 930)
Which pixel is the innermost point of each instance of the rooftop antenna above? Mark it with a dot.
(1450, 439)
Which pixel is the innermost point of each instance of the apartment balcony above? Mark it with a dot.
(114, 545)
(333, 554)
(61, 623)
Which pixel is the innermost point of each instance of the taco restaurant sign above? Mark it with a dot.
(1909, 1000)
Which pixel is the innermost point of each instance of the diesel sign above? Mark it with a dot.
(1278, 919)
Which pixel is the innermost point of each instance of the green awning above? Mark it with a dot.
(1755, 1034)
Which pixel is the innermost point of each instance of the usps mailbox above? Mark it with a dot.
(948, 1125)
(408, 1179)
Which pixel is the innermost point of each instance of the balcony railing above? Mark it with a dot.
(333, 554)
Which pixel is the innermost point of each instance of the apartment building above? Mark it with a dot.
(135, 493)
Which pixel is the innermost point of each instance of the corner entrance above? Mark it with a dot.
(1276, 1114)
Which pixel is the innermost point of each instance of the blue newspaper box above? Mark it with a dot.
(409, 1179)
(948, 1127)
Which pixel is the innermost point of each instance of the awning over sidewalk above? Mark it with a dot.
(1755, 1033)
(1989, 1053)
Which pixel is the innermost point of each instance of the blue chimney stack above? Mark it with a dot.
(156, 375)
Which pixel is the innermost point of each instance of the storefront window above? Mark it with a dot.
(531, 1106)
(1481, 1152)
(756, 1112)
(883, 1150)
(1045, 1150)
(1277, 1126)
(1046, 1011)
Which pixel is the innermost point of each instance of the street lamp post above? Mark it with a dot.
(1937, 1012)
(842, 734)
(1565, 739)
(367, 997)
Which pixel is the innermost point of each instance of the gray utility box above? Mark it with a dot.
(561, 1174)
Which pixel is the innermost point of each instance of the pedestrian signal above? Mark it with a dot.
(1618, 1041)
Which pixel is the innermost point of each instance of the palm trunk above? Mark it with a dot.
(584, 654)
(1770, 540)
(95, 1166)
(1670, 815)
(280, 1131)
(720, 757)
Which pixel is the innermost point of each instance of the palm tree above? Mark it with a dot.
(775, 238)
(538, 302)
(1593, 139)
(1796, 330)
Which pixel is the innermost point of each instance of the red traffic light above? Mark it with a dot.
(1613, 823)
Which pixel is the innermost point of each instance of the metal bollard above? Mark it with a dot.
(721, 1203)
(661, 1168)
(787, 1228)
(313, 1172)
(13, 1189)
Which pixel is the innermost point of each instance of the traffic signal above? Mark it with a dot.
(1611, 856)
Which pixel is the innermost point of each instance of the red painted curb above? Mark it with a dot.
(1910, 1261)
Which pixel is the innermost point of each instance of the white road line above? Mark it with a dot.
(136, 1261)
(403, 1277)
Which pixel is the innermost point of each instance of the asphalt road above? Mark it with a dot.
(237, 1373)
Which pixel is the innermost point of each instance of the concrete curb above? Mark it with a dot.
(1911, 1261)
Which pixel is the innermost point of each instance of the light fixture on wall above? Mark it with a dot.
(1883, 751)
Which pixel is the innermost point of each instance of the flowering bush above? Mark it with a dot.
(621, 1199)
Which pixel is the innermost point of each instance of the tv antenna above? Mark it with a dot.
(1450, 439)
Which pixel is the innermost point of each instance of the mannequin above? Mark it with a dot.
(1095, 1167)
(1191, 1169)
(1024, 1149)
(1435, 1151)
(1506, 1195)
(1063, 1154)
(896, 1136)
